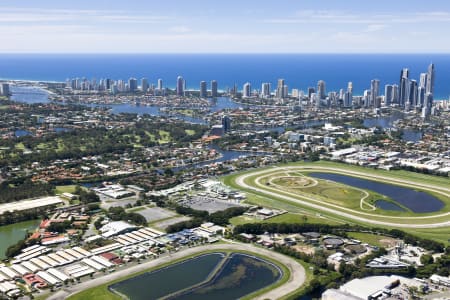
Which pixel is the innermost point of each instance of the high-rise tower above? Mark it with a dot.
(321, 89)
(265, 90)
(180, 86)
(203, 90)
(374, 92)
(412, 97)
(160, 84)
(144, 85)
(246, 91)
(404, 86)
(430, 79)
(388, 94)
(214, 89)
(132, 84)
(280, 89)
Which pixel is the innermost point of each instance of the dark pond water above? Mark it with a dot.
(388, 121)
(386, 205)
(11, 234)
(61, 129)
(159, 283)
(21, 132)
(416, 201)
(240, 275)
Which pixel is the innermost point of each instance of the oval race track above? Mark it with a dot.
(364, 217)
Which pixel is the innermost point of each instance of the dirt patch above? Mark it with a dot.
(388, 242)
(304, 249)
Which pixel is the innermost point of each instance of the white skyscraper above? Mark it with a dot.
(160, 84)
(420, 96)
(246, 90)
(265, 90)
(280, 89)
(350, 87)
(321, 89)
(374, 93)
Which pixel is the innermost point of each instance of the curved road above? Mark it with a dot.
(295, 281)
(309, 200)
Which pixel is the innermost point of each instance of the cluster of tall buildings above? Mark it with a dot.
(133, 86)
(408, 93)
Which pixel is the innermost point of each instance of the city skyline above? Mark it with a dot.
(233, 27)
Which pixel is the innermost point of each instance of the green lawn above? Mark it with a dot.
(189, 131)
(65, 189)
(285, 218)
(20, 146)
(164, 136)
(371, 239)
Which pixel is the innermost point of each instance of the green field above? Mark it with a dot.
(189, 131)
(164, 137)
(371, 239)
(65, 189)
(285, 218)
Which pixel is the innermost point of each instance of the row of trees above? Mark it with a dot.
(14, 191)
(259, 228)
(15, 249)
(199, 216)
(9, 217)
(119, 214)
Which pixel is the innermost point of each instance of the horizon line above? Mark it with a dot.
(224, 53)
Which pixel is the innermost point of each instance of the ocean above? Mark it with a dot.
(299, 70)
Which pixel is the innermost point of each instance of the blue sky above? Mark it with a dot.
(209, 26)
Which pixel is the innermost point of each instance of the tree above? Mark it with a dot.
(426, 259)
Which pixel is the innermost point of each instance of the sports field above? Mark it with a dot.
(290, 185)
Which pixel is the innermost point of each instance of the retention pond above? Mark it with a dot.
(211, 276)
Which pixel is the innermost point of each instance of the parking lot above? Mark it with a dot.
(152, 214)
(165, 223)
(207, 203)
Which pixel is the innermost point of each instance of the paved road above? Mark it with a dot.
(341, 211)
(295, 281)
